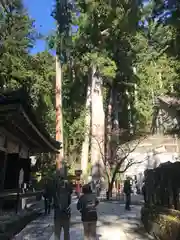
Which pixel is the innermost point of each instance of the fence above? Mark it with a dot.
(20, 200)
(162, 185)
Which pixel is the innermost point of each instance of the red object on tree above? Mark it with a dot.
(78, 188)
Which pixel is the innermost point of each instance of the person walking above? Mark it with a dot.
(144, 192)
(78, 189)
(47, 196)
(62, 212)
(127, 191)
(87, 206)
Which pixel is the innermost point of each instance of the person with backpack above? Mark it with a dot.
(144, 192)
(62, 212)
(87, 206)
(127, 191)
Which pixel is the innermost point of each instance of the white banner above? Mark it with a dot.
(21, 177)
(24, 153)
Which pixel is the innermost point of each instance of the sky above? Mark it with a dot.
(40, 11)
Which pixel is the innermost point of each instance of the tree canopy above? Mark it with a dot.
(133, 44)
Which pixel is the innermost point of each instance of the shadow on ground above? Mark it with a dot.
(113, 220)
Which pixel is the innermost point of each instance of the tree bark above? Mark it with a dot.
(110, 185)
(108, 127)
(85, 145)
(97, 126)
(116, 109)
(59, 122)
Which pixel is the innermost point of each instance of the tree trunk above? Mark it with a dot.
(110, 185)
(109, 191)
(97, 127)
(116, 109)
(59, 122)
(108, 127)
(85, 145)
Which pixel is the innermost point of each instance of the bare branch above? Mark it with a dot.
(100, 142)
(129, 164)
(119, 155)
(106, 163)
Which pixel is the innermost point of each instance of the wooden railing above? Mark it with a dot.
(13, 194)
(20, 197)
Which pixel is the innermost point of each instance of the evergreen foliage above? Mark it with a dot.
(114, 36)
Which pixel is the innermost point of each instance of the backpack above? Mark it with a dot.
(127, 187)
(47, 191)
(88, 210)
(61, 198)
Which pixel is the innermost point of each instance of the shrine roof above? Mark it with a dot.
(18, 118)
(170, 101)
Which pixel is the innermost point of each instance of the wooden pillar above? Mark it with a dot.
(3, 159)
(17, 207)
(3, 149)
(3, 171)
(2, 178)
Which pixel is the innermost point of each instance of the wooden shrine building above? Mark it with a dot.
(21, 135)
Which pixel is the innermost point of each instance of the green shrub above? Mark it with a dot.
(164, 224)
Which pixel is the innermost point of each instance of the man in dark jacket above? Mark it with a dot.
(87, 206)
(127, 191)
(47, 196)
(144, 191)
(62, 212)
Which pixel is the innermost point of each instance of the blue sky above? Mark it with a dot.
(40, 11)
